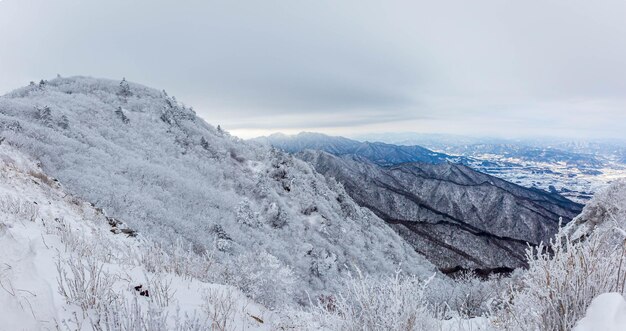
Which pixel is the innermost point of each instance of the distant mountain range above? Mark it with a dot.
(457, 217)
(430, 150)
(582, 154)
(377, 152)
(575, 168)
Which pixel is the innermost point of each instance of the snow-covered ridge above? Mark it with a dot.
(279, 231)
(62, 267)
(605, 212)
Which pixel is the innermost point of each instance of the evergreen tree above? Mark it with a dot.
(204, 143)
(124, 90)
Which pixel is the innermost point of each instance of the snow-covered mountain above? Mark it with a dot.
(377, 152)
(455, 216)
(149, 161)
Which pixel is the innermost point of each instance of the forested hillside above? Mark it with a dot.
(150, 161)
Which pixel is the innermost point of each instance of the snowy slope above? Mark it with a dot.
(50, 239)
(149, 161)
(607, 312)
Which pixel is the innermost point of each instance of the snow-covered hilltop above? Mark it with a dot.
(149, 161)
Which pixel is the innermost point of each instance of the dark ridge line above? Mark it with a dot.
(558, 200)
(437, 242)
(461, 225)
(535, 203)
(470, 228)
(545, 196)
(493, 239)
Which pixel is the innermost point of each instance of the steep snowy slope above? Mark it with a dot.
(455, 216)
(62, 267)
(149, 161)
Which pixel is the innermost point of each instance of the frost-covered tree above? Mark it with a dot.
(205, 144)
(262, 277)
(223, 242)
(44, 115)
(246, 215)
(124, 89)
(64, 122)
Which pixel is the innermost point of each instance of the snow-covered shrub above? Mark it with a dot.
(388, 303)
(23, 210)
(221, 308)
(178, 258)
(562, 280)
(129, 315)
(468, 296)
(161, 291)
(84, 282)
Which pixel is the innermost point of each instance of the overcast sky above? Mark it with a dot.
(502, 68)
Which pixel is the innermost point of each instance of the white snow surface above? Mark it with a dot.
(607, 312)
(43, 228)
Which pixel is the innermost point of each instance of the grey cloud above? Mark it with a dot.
(322, 120)
(358, 65)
